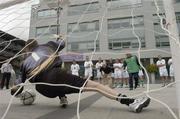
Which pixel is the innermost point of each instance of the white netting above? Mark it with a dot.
(16, 19)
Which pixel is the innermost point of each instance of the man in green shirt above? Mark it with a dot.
(133, 68)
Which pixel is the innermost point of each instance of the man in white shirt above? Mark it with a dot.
(88, 68)
(98, 67)
(161, 64)
(6, 69)
(118, 67)
(75, 68)
(171, 70)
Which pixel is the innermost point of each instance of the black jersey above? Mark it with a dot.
(106, 69)
(39, 55)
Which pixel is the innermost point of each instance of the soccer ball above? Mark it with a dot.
(27, 97)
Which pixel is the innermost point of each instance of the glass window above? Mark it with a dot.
(47, 13)
(178, 17)
(83, 35)
(178, 20)
(79, 9)
(118, 4)
(120, 33)
(125, 22)
(118, 44)
(82, 46)
(83, 27)
(46, 30)
(162, 41)
(126, 44)
(159, 3)
(156, 19)
(74, 46)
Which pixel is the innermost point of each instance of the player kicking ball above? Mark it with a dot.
(49, 71)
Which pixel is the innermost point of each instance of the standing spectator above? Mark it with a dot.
(106, 71)
(110, 65)
(133, 68)
(75, 68)
(125, 76)
(13, 78)
(171, 70)
(161, 64)
(6, 69)
(141, 77)
(118, 67)
(98, 66)
(88, 68)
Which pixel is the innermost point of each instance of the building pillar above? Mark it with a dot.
(64, 25)
(152, 75)
(174, 43)
(103, 36)
(150, 40)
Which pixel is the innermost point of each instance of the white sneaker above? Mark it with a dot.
(63, 102)
(139, 104)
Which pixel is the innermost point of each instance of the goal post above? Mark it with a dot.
(174, 44)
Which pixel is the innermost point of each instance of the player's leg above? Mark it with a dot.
(121, 79)
(64, 78)
(99, 76)
(142, 80)
(109, 81)
(135, 104)
(125, 77)
(116, 80)
(113, 82)
(166, 77)
(63, 100)
(104, 79)
(136, 78)
(7, 80)
(3, 80)
(162, 78)
(86, 74)
(127, 80)
(130, 81)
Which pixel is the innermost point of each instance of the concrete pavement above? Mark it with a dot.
(92, 106)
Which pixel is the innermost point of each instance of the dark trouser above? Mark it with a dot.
(135, 77)
(56, 76)
(6, 77)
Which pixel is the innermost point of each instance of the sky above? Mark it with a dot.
(15, 20)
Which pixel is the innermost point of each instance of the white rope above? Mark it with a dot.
(78, 106)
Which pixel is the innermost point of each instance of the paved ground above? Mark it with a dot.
(93, 106)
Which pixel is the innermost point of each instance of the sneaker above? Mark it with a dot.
(63, 102)
(163, 85)
(139, 104)
(114, 86)
(117, 86)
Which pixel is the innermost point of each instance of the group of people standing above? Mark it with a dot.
(163, 72)
(113, 74)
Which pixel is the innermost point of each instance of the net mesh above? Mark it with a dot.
(15, 20)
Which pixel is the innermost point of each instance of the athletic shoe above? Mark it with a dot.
(126, 86)
(63, 102)
(19, 95)
(139, 104)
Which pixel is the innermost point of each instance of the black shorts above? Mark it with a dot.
(57, 76)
